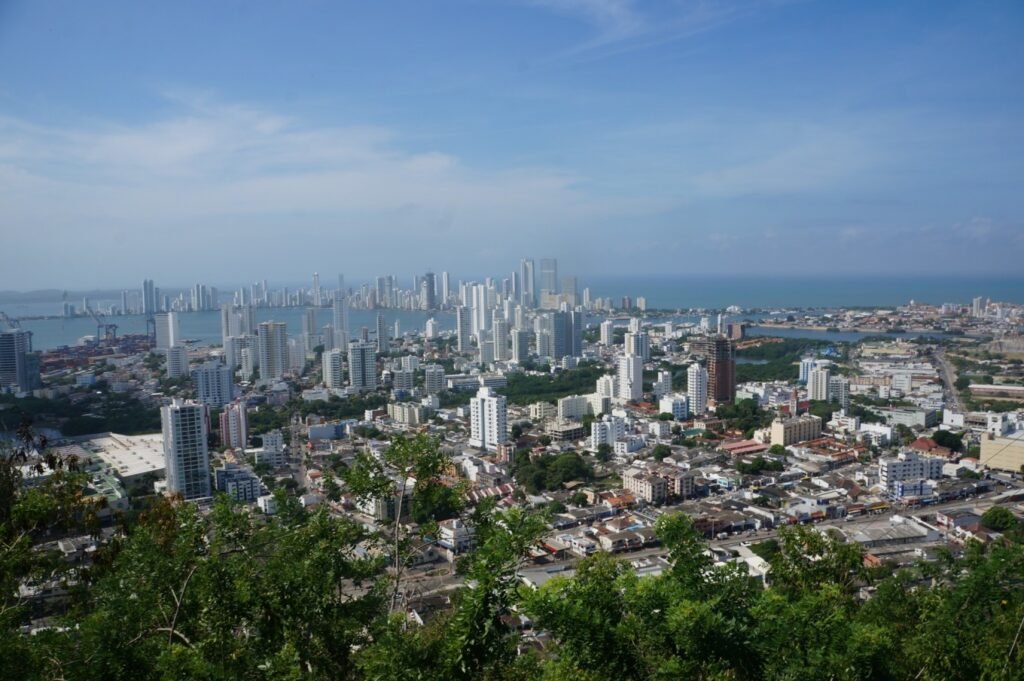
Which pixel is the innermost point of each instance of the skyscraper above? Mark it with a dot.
(18, 366)
(167, 331)
(317, 300)
(428, 292)
(817, 383)
(362, 366)
(499, 334)
(445, 289)
(186, 453)
(488, 419)
(274, 360)
(548, 276)
(462, 329)
(149, 298)
(520, 345)
(607, 333)
(629, 377)
(340, 309)
(720, 353)
(382, 335)
(527, 282)
(697, 389)
(333, 369)
(213, 383)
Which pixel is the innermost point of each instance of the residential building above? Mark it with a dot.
(787, 431)
(234, 425)
(433, 378)
(817, 384)
(629, 377)
(167, 332)
(488, 419)
(213, 383)
(720, 354)
(607, 333)
(908, 466)
(238, 482)
(697, 389)
(274, 356)
(362, 366)
(176, 361)
(333, 369)
(186, 454)
(677, 405)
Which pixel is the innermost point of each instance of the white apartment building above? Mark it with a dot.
(678, 405)
(488, 414)
(186, 453)
(333, 369)
(697, 389)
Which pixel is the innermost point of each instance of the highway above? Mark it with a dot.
(949, 378)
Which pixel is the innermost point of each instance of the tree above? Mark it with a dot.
(661, 451)
(665, 416)
(417, 459)
(999, 518)
(777, 450)
(604, 452)
(952, 441)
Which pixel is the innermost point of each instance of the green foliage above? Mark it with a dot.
(950, 440)
(525, 389)
(759, 464)
(661, 451)
(550, 472)
(999, 518)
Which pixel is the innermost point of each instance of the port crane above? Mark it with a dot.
(9, 321)
(104, 331)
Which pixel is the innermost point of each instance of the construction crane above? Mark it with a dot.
(10, 321)
(104, 330)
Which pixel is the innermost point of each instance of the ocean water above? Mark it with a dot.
(204, 327)
(745, 291)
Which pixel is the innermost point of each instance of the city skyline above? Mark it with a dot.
(750, 137)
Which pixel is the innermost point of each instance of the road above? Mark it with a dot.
(949, 378)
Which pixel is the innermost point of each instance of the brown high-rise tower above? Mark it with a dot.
(720, 353)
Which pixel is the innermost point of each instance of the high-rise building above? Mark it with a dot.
(274, 358)
(383, 345)
(233, 349)
(639, 343)
(462, 329)
(697, 388)
(548, 276)
(403, 379)
(167, 331)
(362, 366)
(978, 306)
(234, 425)
(446, 290)
(19, 367)
(317, 297)
(177, 361)
(333, 369)
(807, 364)
(520, 345)
(186, 453)
(149, 297)
(663, 385)
(629, 377)
(213, 384)
(488, 416)
(607, 333)
(720, 353)
(340, 310)
(431, 329)
(499, 334)
(527, 282)
(817, 384)
(433, 378)
(839, 391)
(428, 292)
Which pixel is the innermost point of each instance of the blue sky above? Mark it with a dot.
(225, 141)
